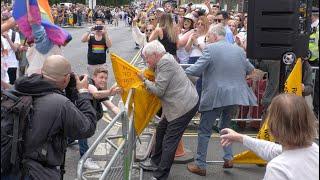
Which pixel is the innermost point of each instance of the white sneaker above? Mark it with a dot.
(89, 164)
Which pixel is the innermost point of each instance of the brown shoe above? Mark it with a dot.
(196, 170)
(228, 164)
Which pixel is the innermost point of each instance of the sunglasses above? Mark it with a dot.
(149, 30)
(217, 20)
(151, 19)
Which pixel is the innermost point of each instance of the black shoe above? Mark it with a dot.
(148, 165)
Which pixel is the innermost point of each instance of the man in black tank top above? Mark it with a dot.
(98, 44)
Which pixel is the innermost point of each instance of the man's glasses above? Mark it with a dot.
(149, 30)
(217, 20)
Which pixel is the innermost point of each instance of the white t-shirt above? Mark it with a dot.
(10, 60)
(297, 164)
(182, 54)
(196, 52)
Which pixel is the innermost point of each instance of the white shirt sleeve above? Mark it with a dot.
(138, 36)
(265, 149)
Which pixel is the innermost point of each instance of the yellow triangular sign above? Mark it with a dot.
(248, 157)
(293, 83)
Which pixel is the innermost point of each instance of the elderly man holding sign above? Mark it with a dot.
(179, 99)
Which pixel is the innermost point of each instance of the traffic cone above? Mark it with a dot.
(180, 150)
(183, 156)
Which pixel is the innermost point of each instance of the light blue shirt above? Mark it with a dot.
(43, 43)
(229, 35)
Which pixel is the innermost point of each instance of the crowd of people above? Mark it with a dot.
(78, 14)
(212, 41)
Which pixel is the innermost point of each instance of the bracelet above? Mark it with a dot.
(83, 90)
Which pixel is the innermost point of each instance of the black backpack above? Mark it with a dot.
(15, 116)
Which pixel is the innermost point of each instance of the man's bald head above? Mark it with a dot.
(56, 67)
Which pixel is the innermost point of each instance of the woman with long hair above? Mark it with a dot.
(186, 31)
(293, 125)
(196, 44)
(166, 33)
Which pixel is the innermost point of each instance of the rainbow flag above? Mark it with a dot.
(41, 13)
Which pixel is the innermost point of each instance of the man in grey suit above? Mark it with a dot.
(223, 67)
(179, 99)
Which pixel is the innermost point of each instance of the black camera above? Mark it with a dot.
(98, 28)
(71, 89)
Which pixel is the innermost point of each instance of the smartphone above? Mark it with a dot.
(98, 28)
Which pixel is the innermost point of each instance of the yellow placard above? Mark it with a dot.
(294, 82)
(249, 157)
(146, 105)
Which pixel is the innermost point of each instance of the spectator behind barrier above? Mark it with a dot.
(292, 123)
(98, 44)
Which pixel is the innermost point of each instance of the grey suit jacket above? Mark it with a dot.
(176, 92)
(223, 67)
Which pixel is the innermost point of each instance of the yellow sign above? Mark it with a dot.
(248, 157)
(146, 105)
(293, 83)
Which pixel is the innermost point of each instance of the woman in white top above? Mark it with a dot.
(141, 38)
(241, 37)
(292, 123)
(185, 33)
(196, 44)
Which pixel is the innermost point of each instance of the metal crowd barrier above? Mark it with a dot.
(253, 113)
(117, 167)
(122, 163)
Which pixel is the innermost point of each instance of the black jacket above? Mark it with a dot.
(54, 118)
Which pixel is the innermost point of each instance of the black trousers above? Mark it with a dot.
(168, 136)
(12, 72)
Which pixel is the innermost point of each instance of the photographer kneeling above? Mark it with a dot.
(97, 87)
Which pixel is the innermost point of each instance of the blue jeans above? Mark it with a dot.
(79, 19)
(83, 145)
(205, 130)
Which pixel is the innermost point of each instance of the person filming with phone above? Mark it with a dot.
(98, 45)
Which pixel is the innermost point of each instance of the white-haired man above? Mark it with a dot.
(179, 104)
(223, 67)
